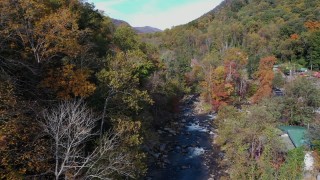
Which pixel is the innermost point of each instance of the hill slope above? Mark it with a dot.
(139, 30)
(228, 56)
(146, 29)
(259, 27)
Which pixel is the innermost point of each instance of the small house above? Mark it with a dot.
(296, 135)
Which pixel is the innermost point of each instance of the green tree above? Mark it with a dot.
(256, 145)
(293, 166)
(119, 82)
(302, 97)
(314, 50)
(125, 38)
(278, 80)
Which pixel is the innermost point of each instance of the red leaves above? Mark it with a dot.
(265, 75)
(226, 81)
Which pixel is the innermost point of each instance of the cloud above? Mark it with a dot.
(151, 14)
(173, 16)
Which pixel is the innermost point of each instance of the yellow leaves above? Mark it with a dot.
(122, 78)
(129, 130)
(132, 100)
(69, 82)
(228, 88)
(42, 29)
(204, 84)
(236, 55)
(219, 75)
(58, 32)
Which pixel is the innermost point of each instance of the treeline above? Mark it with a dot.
(78, 96)
(261, 28)
(220, 53)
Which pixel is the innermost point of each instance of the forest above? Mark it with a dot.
(80, 97)
(236, 56)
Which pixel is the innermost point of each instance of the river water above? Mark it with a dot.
(186, 151)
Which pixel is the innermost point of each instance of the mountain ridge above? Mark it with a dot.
(138, 30)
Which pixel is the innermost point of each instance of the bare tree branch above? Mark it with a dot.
(70, 126)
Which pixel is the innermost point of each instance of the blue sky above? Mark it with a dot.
(156, 13)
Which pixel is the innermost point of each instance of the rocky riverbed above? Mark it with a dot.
(185, 149)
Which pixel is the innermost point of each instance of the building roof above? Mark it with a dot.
(287, 142)
(296, 134)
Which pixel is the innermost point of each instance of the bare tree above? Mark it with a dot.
(70, 125)
(108, 159)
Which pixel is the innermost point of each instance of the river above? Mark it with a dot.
(186, 151)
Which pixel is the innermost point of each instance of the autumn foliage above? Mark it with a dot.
(265, 75)
(294, 36)
(229, 78)
(69, 82)
(312, 25)
(23, 151)
(226, 81)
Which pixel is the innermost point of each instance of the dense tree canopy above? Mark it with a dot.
(74, 87)
(52, 54)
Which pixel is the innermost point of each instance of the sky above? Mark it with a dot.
(161, 14)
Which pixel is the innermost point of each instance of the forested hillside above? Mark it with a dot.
(237, 57)
(255, 29)
(285, 29)
(78, 95)
(82, 97)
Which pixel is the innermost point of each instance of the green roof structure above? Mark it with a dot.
(303, 69)
(296, 134)
(287, 143)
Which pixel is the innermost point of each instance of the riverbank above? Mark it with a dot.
(185, 148)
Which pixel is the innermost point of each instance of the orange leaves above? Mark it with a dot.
(69, 82)
(221, 90)
(234, 61)
(3, 143)
(294, 36)
(226, 81)
(265, 75)
(266, 65)
(21, 148)
(44, 31)
(57, 33)
(312, 25)
(221, 94)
